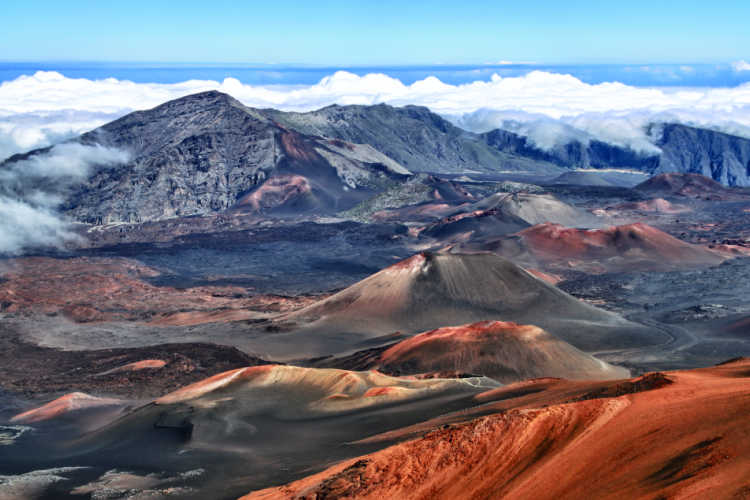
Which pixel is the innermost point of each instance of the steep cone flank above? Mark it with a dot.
(618, 247)
(684, 439)
(504, 351)
(428, 291)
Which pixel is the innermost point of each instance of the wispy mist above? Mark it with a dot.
(32, 189)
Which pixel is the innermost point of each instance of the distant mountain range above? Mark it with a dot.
(207, 153)
(684, 149)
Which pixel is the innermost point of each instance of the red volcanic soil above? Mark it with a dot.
(146, 364)
(106, 289)
(296, 146)
(504, 351)
(688, 186)
(633, 246)
(680, 435)
(276, 191)
(63, 405)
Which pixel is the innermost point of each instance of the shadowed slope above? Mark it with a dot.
(476, 224)
(236, 423)
(414, 136)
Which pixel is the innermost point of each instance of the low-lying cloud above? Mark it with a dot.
(550, 108)
(32, 189)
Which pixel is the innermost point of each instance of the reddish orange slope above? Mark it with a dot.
(687, 439)
(505, 351)
(619, 247)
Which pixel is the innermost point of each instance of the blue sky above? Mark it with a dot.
(370, 33)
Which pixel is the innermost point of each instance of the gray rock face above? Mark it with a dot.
(415, 137)
(207, 153)
(722, 157)
(595, 154)
(423, 141)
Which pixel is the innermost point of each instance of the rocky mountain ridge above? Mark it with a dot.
(208, 153)
(684, 149)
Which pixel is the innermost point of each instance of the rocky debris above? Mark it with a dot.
(36, 483)
(95, 289)
(647, 382)
(204, 153)
(115, 484)
(38, 371)
(413, 136)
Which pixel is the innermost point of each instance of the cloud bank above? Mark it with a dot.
(31, 190)
(550, 108)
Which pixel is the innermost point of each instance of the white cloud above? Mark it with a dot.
(31, 189)
(40, 109)
(551, 109)
(24, 225)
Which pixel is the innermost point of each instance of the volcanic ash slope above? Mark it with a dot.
(504, 351)
(428, 291)
(641, 441)
(263, 408)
